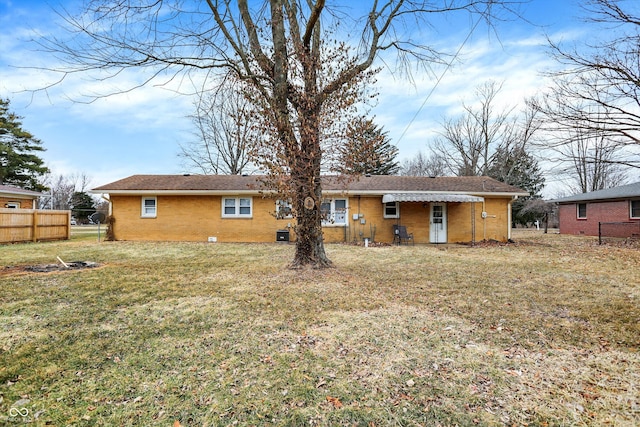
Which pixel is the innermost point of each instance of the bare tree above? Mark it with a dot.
(294, 55)
(61, 189)
(538, 210)
(423, 164)
(470, 143)
(595, 98)
(226, 131)
(590, 161)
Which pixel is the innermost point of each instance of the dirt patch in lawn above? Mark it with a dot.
(47, 268)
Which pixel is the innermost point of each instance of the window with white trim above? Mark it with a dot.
(149, 207)
(391, 210)
(237, 207)
(284, 209)
(635, 209)
(13, 205)
(582, 210)
(334, 212)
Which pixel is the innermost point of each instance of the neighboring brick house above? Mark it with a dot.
(582, 213)
(18, 198)
(234, 208)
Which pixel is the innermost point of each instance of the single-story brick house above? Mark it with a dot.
(581, 213)
(18, 198)
(234, 208)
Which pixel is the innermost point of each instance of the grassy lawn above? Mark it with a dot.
(544, 332)
(88, 232)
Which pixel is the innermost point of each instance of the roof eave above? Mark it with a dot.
(113, 192)
(598, 200)
(21, 196)
(371, 193)
(383, 192)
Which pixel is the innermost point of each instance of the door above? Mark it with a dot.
(438, 223)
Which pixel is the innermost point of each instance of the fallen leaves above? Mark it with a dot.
(335, 402)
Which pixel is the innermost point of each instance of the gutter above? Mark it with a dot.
(179, 192)
(373, 193)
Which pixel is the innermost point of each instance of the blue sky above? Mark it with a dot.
(139, 132)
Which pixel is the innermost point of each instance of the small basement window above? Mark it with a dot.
(582, 211)
(149, 207)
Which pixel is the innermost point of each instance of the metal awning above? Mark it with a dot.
(430, 197)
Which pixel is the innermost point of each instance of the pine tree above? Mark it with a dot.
(19, 165)
(368, 150)
(519, 168)
(82, 206)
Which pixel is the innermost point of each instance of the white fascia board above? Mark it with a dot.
(345, 193)
(379, 193)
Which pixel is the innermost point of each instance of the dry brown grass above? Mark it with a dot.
(542, 332)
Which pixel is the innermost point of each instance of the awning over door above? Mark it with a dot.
(430, 197)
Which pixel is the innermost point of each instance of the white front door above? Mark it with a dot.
(438, 223)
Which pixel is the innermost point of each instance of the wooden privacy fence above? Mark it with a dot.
(33, 225)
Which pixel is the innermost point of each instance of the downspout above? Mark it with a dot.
(473, 223)
(484, 219)
(509, 216)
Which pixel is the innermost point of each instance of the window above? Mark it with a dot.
(13, 205)
(582, 210)
(635, 209)
(284, 209)
(149, 207)
(239, 207)
(334, 212)
(391, 210)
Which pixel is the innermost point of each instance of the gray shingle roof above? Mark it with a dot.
(377, 184)
(623, 192)
(10, 189)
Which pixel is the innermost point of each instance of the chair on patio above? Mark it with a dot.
(400, 235)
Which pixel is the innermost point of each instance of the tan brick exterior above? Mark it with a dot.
(196, 218)
(24, 203)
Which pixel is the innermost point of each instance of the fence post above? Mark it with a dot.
(68, 225)
(34, 232)
(599, 233)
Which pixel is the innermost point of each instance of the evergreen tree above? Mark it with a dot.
(368, 150)
(19, 165)
(518, 167)
(82, 206)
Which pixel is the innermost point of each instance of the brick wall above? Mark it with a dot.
(24, 203)
(612, 211)
(195, 218)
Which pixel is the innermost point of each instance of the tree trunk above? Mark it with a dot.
(308, 194)
(303, 155)
(310, 242)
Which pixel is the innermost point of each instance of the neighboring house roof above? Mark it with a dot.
(10, 190)
(622, 192)
(365, 185)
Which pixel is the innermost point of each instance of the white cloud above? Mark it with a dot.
(138, 131)
(517, 64)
